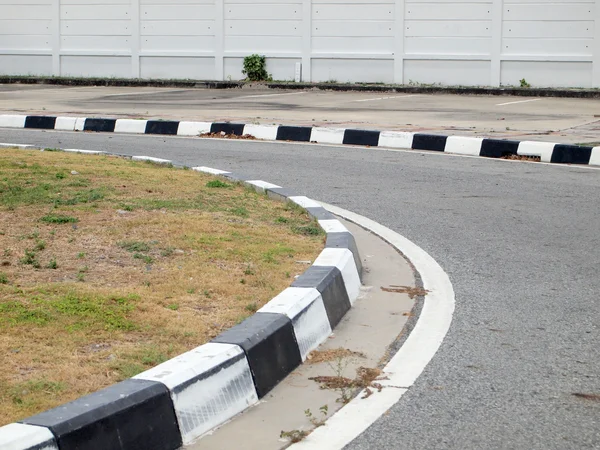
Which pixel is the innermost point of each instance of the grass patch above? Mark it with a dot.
(312, 229)
(58, 218)
(134, 246)
(150, 267)
(217, 184)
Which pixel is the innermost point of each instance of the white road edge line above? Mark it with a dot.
(520, 101)
(386, 98)
(409, 362)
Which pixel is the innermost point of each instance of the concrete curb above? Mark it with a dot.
(342, 87)
(181, 399)
(490, 148)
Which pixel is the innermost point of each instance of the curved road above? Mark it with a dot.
(521, 243)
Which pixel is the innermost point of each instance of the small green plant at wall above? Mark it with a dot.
(524, 83)
(255, 68)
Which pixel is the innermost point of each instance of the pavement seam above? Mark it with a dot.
(185, 397)
(460, 145)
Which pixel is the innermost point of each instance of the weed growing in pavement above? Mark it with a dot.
(294, 435)
(316, 421)
(297, 435)
(365, 379)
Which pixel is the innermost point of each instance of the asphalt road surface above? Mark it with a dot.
(521, 244)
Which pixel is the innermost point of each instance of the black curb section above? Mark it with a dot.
(132, 415)
(269, 342)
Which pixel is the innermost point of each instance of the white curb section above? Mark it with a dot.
(209, 385)
(343, 259)
(86, 152)
(412, 358)
(333, 225)
(267, 132)
(595, 158)
(12, 121)
(532, 148)
(18, 436)
(261, 186)
(130, 126)
(461, 145)
(306, 310)
(210, 170)
(304, 202)
(151, 159)
(193, 128)
(327, 135)
(396, 139)
(65, 123)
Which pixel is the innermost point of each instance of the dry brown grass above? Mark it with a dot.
(223, 135)
(156, 264)
(522, 158)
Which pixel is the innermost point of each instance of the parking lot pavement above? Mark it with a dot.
(568, 120)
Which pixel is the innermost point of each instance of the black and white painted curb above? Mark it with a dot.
(177, 401)
(492, 148)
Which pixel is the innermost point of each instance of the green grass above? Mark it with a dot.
(240, 211)
(147, 259)
(312, 229)
(251, 307)
(131, 364)
(134, 246)
(73, 310)
(3, 278)
(21, 393)
(217, 184)
(89, 196)
(58, 219)
(30, 259)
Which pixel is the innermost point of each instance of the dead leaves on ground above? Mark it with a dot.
(412, 291)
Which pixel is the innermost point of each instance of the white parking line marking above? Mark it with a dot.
(271, 95)
(385, 98)
(520, 101)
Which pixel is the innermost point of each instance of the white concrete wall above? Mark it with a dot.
(471, 42)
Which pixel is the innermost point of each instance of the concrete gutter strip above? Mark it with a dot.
(490, 148)
(343, 87)
(181, 399)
